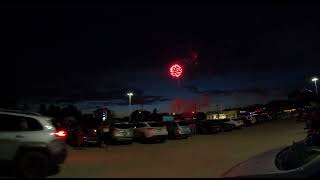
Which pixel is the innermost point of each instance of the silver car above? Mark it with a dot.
(300, 160)
(121, 132)
(30, 144)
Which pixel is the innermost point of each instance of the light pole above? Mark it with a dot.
(315, 79)
(130, 94)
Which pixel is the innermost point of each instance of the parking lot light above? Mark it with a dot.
(315, 79)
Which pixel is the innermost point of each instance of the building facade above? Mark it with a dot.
(214, 115)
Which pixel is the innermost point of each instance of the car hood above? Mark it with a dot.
(258, 165)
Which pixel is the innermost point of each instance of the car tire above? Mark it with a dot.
(33, 164)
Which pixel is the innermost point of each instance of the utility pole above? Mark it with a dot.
(218, 111)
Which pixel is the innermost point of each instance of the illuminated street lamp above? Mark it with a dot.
(315, 79)
(130, 94)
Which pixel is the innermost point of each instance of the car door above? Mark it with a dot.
(10, 136)
(139, 129)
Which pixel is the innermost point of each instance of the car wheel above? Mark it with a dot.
(33, 165)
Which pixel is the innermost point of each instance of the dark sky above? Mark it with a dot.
(92, 54)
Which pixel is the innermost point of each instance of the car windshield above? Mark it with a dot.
(155, 124)
(183, 123)
(296, 155)
(214, 122)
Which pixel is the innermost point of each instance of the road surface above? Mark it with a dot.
(198, 156)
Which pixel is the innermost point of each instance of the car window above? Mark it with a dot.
(33, 125)
(183, 123)
(296, 156)
(19, 123)
(139, 125)
(9, 123)
(214, 122)
(122, 126)
(155, 124)
(169, 124)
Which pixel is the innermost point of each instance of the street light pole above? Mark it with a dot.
(315, 79)
(130, 94)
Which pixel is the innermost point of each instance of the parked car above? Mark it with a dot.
(205, 127)
(178, 129)
(121, 132)
(150, 131)
(30, 144)
(261, 118)
(223, 126)
(238, 123)
(91, 136)
(300, 160)
(249, 120)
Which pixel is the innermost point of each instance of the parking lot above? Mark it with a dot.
(198, 156)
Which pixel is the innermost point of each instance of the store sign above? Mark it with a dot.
(167, 118)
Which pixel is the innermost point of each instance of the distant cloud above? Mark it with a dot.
(146, 100)
(111, 97)
(258, 91)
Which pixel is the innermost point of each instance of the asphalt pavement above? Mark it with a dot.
(198, 156)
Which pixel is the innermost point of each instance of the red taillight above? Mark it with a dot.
(150, 129)
(60, 133)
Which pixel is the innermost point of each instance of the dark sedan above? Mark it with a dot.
(223, 126)
(205, 127)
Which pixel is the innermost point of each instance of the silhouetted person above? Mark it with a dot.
(105, 136)
(313, 121)
(80, 136)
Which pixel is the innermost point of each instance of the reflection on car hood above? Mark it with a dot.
(261, 164)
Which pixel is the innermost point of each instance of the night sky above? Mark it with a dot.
(90, 55)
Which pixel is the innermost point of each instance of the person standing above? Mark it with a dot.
(105, 134)
(80, 137)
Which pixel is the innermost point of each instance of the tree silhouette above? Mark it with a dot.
(139, 116)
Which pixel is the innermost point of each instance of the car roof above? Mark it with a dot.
(121, 123)
(44, 119)
(20, 111)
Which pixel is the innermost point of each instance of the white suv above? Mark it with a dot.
(238, 123)
(30, 144)
(150, 131)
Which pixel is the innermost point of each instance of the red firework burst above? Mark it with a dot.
(176, 70)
